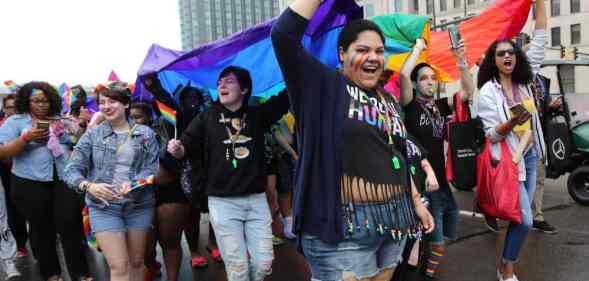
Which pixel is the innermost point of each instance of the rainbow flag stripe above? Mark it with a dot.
(168, 113)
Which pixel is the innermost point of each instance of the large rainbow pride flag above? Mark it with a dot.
(252, 48)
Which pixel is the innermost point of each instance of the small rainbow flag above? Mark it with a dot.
(142, 182)
(11, 85)
(168, 113)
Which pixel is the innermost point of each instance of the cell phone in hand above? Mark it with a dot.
(455, 36)
(43, 125)
(518, 109)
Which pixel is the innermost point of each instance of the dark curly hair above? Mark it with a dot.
(522, 73)
(22, 102)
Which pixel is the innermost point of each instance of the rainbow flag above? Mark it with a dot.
(13, 87)
(142, 182)
(168, 113)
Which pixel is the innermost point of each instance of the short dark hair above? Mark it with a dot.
(147, 109)
(243, 78)
(522, 73)
(416, 69)
(23, 97)
(115, 90)
(350, 32)
(9, 97)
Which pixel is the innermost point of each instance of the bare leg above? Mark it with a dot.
(114, 248)
(172, 218)
(136, 243)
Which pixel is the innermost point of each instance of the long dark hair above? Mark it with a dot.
(23, 97)
(522, 73)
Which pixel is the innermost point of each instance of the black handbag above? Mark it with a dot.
(465, 140)
(558, 146)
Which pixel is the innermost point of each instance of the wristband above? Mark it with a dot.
(24, 137)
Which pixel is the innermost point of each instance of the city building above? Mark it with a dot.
(568, 26)
(203, 21)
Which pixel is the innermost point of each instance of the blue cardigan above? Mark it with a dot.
(320, 103)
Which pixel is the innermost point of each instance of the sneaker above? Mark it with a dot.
(545, 227)
(277, 241)
(55, 278)
(287, 222)
(21, 253)
(491, 223)
(11, 271)
(513, 278)
(199, 262)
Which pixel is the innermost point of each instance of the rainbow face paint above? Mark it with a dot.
(36, 92)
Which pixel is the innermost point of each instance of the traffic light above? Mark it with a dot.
(575, 54)
(562, 52)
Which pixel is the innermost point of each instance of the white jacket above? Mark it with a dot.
(493, 109)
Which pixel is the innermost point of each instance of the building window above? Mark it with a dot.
(416, 5)
(443, 5)
(429, 8)
(456, 3)
(555, 36)
(368, 10)
(575, 6)
(398, 5)
(470, 2)
(575, 33)
(555, 8)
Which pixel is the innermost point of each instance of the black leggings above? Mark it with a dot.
(50, 208)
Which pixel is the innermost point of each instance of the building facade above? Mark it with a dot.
(568, 25)
(203, 21)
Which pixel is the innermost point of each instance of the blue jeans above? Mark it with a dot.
(243, 226)
(364, 253)
(517, 233)
(445, 213)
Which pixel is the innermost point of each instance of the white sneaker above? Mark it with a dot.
(513, 278)
(11, 271)
(287, 222)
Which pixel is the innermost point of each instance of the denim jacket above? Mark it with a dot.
(94, 158)
(35, 162)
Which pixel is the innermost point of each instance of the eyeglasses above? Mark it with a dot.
(502, 53)
(40, 101)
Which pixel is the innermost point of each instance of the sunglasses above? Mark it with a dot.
(502, 53)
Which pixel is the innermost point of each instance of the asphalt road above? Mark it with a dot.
(473, 257)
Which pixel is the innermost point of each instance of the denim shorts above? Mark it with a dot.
(362, 254)
(445, 213)
(121, 216)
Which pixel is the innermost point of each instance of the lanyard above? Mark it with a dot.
(119, 146)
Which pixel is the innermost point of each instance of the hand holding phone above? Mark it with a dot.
(455, 37)
(520, 114)
(42, 125)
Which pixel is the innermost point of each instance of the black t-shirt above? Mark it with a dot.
(367, 152)
(415, 154)
(429, 130)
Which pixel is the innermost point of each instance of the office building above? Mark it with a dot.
(203, 21)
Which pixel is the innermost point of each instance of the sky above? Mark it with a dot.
(81, 41)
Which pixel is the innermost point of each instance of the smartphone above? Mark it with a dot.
(43, 125)
(520, 40)
(517, 109)
(455, 36)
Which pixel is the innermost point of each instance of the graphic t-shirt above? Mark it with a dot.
(415, 154)
(429, 127)
(367, 153)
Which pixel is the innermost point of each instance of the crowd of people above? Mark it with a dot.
(359, 178)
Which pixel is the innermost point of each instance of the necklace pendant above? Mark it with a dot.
(234, 162)
(395, 163)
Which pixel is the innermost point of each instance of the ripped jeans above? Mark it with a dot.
(242, 226)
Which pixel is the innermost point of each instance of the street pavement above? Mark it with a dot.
(473, 257)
